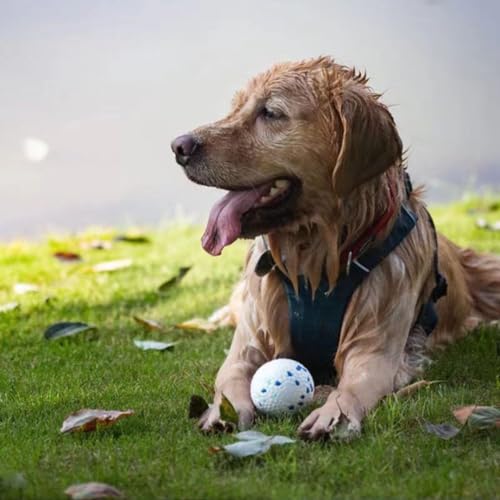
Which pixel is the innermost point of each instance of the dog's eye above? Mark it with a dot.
(271, 114)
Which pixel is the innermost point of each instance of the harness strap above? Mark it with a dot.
(428, 317)
(316, 323)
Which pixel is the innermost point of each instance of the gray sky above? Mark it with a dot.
(108, 84)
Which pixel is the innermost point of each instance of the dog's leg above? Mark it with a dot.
(233, 381)
(363, 384)
(370, 363)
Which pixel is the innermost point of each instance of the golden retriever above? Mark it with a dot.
(311, 159)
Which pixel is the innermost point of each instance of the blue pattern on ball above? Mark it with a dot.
(277, 382)
(263, 390)
(297, 382)
(290, 374)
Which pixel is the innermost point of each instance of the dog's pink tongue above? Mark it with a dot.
(224, 222)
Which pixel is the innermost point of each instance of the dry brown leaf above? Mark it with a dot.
(197, 324)
(411, 389)
(486, 416)
(87, 420)
(64, 256)
(87, 491)
(463, 413)
(150, 324)
(222, 317)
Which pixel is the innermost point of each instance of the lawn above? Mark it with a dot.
(158, 452)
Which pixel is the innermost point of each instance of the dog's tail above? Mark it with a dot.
(482, 274)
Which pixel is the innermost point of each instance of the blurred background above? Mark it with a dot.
(92, 92)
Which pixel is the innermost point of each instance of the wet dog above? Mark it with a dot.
(313, 162)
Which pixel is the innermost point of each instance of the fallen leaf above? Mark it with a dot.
(96, 245)
(132, 238)
(279, 440)
(493, 206)
(215, 449)
(463, 413)
(197, 406)
(150, 324)
(481, 223)
(111, 265)
(411, 389)
(222, 317)
(250, 435)
(9, 306)
(66, 329)
(490, 226)
(227, 411)
(87, 420)
(153, 345)
(253, 443)
(197, 324)
(22, 288)
(67, 256)
(243, 449)
(87, 491)
(479, 417)
(444, 431)
(167, 285)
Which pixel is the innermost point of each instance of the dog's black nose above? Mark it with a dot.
(184, 147)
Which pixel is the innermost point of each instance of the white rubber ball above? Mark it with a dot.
(282, 386)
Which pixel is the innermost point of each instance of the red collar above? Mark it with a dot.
(370, 234)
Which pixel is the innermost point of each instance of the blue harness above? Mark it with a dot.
(316, 323)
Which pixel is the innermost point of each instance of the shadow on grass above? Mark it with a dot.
(472, 359)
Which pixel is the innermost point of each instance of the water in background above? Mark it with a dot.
(91, 93)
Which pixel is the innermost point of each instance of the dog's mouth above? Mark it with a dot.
(246, 213)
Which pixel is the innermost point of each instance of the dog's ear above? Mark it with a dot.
(370, 142)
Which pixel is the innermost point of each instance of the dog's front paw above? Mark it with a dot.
(339, 418)
(211, 420)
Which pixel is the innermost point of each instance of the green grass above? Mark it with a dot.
(158, 453)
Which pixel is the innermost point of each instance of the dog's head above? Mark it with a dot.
(298, 137)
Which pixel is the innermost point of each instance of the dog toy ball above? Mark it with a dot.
(282, 386)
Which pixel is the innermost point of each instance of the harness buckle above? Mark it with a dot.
(363, 268)
(348, 264)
